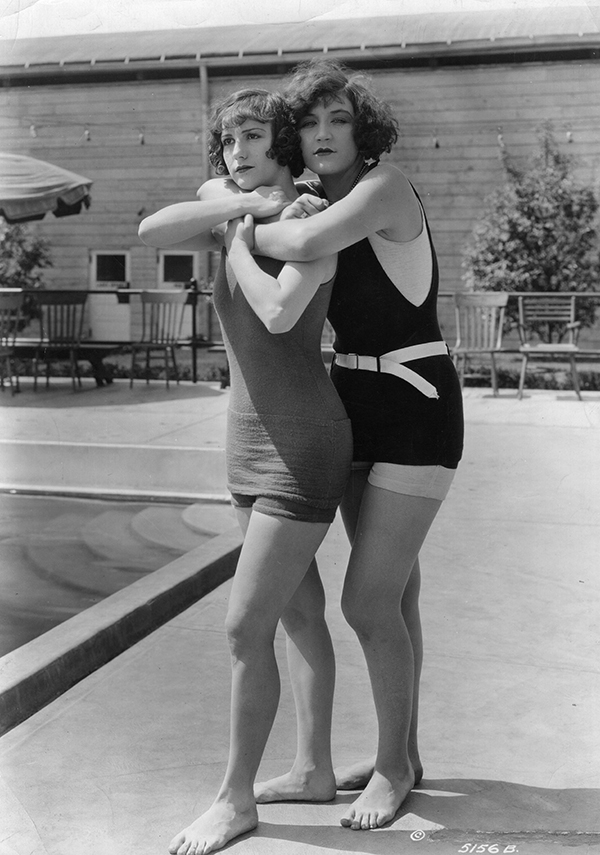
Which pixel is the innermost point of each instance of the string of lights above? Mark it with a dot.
(89, 132)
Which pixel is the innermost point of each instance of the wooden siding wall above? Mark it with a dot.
(450, 118)
(454, 121)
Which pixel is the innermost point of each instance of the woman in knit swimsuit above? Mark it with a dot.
(289, 442)
(402, 394)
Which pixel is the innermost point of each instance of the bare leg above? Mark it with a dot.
(412, 618)
(389, 533)
(274, 559)
(357, 775)
(312, 672)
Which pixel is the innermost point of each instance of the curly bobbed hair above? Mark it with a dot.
(263, 106)
(325, 80)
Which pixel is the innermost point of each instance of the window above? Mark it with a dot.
(177, 268)
(109, 269)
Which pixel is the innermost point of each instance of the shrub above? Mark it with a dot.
(537, 232)
(22, 256)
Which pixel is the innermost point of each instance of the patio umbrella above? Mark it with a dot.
(29, 188)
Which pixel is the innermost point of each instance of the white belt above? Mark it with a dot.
(392, 363)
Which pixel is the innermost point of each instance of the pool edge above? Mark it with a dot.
(37, 673)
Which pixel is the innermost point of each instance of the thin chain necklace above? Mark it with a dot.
(363, 171)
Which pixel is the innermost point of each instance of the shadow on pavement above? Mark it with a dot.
(451, 811)
(503, 806)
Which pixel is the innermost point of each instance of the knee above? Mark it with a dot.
(246, 631)
(303, 619)
(364, 613)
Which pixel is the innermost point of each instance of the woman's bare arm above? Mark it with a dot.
(220, 200)
(383, 202)
(278, 301)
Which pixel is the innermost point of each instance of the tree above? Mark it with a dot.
(22, 256)
(537, 232)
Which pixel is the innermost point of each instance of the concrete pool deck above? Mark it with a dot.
(510, 733)
(112, 439)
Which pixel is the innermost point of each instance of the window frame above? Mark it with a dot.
(160, 267)
(109, 284)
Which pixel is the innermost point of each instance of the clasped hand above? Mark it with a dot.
(264, 202)
(304, 206)
(240, 229)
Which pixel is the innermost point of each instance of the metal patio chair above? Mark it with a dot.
(479, 329)
(551, 317)
(10, 313)
(162, 319)
(62, 315)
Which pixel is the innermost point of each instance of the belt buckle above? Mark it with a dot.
(371, 363)
(356, 361)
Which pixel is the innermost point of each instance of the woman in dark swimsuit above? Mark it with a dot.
(401, 391)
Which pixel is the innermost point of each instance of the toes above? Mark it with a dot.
(363, 821)
(369, 820)
(176, 844)
(190, 848)
(357, 821)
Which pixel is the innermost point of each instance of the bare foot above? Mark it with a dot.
(357, 775)
(296, 787)
(378, 804)
(220, 824)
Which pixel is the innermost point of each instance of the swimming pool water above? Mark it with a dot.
(58, 556)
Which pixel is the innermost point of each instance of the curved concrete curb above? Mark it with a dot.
(38, 672)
